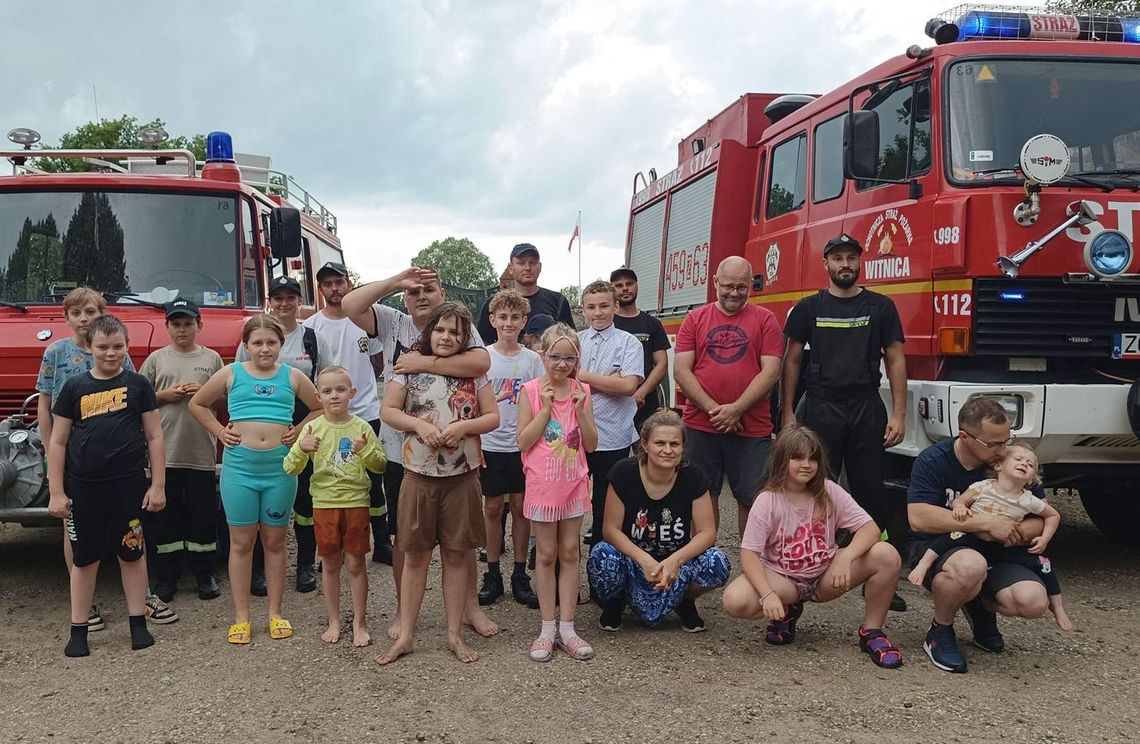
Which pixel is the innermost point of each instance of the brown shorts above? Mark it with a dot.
(441, 511)
(346, 529)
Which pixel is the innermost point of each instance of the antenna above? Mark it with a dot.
(95, 95)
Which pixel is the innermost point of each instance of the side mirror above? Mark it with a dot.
(285, 232)
(861, 145)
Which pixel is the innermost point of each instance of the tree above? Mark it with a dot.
(93, 245)
(458, 263)
(573, 294)
(116, 134)
(1096, 7)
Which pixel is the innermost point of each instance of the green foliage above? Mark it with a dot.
(1102, 7)
(458, 263)
(115, 134)
(573, 295)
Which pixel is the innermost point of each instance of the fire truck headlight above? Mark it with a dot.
(1108, 254)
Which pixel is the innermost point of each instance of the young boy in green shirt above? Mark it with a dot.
(343, 448)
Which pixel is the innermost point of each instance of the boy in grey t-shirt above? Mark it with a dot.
(186, 528)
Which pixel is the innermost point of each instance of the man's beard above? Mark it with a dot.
(845, 281)
(627, 303)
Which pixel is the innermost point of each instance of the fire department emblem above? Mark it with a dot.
(772, 262)
(887, 230)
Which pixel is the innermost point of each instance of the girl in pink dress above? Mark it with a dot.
(555, 431)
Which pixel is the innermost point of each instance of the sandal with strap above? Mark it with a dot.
(576, 647)
(883, 653)
(542, 649)
(280, 628)
(783, 631)
(240, 634)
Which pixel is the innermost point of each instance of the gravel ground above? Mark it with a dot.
(725, 685)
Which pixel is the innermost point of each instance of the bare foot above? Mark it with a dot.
(394, 630)
(360, 636)
(918, 574)
(332, 634)
(462, 651)
(398, 648)
(478, 620)
(1062, 617)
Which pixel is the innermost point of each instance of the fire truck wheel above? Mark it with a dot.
(1113, 507)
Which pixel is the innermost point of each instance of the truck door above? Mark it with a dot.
(776, 252)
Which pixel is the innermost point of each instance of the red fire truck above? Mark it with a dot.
(994, 182)
(143, 228)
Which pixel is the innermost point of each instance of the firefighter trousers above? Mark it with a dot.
(185, 530)
(851, 428)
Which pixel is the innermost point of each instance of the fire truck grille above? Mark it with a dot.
(1048, 318)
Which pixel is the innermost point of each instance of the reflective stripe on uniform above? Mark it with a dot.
(302, 520)
(377, 511)
(167, 548)
(194, 547)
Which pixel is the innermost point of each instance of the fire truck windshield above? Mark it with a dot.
(996, 105)
(145, 246)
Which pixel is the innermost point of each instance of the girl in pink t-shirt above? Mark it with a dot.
(555, 431)
(789, 554)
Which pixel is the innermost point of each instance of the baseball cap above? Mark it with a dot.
(522, 248)
(332, 267)
(842, 241)
(284, 283)
(538, 324)
(623, 271)
(182, 306)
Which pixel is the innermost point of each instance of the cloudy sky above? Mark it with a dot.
(496, 120)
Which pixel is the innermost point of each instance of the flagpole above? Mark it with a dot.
(579, 252)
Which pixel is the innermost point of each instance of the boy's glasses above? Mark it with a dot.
(989, 445)
(560, 359)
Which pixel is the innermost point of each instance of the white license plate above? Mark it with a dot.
(1126, 346)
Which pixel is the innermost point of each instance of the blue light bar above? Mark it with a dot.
(992, 24)
(219, 148)
(1131, 28)
(1011, 296)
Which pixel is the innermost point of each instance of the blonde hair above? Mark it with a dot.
(262, 322)
(509, 299)
(556, 333)
(335, 369)
(801, 442)
(1022, 445)
(82, 297)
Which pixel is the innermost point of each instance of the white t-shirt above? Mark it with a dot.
(292, 352)
(342, 342)
(397, 333)
(507, 374)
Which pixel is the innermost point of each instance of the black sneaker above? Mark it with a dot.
(208, 587)
(382, 552)
(942, 647)
(257, 584)
(898, 604)
(984, 624)
(588, 537)
(165, 589)
(530, 557)
(306, 579)
(482, 555)
(611, 615)
(492, 588)
(522, 592)
(691, 621)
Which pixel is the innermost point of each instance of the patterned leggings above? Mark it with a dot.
(614, 575)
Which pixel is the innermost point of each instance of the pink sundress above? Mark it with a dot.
(555, 465)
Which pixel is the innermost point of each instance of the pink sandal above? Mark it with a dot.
(542, 649)
(577, 648)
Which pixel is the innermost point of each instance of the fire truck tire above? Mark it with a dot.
(1113, 507)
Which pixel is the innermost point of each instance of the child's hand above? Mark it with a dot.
(578, 396)
(773, 607)
(189, 388)
(840, 571)
(154, 500)
(453, 434)
(547, 393)
(230, 436)
(961, 512)
(359, 443)
(59, 506)
(310, 443)
(428, 432)
(289, 436)
(1038, 544)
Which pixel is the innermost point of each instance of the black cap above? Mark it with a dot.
(332, 267)
(538, 324)
(623, 271)
(842, 241)
(286, 283)
(182, 306)
(522, 248)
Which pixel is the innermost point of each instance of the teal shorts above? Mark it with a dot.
(255, 487)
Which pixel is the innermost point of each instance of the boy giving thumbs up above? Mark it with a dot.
(343, 448)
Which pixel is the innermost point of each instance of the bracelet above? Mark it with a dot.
(769, 594)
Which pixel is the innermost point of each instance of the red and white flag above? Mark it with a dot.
(577, 232)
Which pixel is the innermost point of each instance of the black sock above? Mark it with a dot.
(493, 568)
(77, 644)
(520, 568)
(140, 636)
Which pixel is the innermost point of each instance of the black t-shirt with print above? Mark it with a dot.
(107, 439)
(847, 337)
(649, 331)
(544, 300)
(663, 526)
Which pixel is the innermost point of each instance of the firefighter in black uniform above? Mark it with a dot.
(848, 331)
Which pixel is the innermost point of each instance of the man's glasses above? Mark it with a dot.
(988, 445)
(560, 359)
(738, 288)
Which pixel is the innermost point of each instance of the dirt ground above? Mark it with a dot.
(725, 685)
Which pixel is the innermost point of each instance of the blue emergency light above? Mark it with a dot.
(219, 147)
(1011, 296)
(1002, 24)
